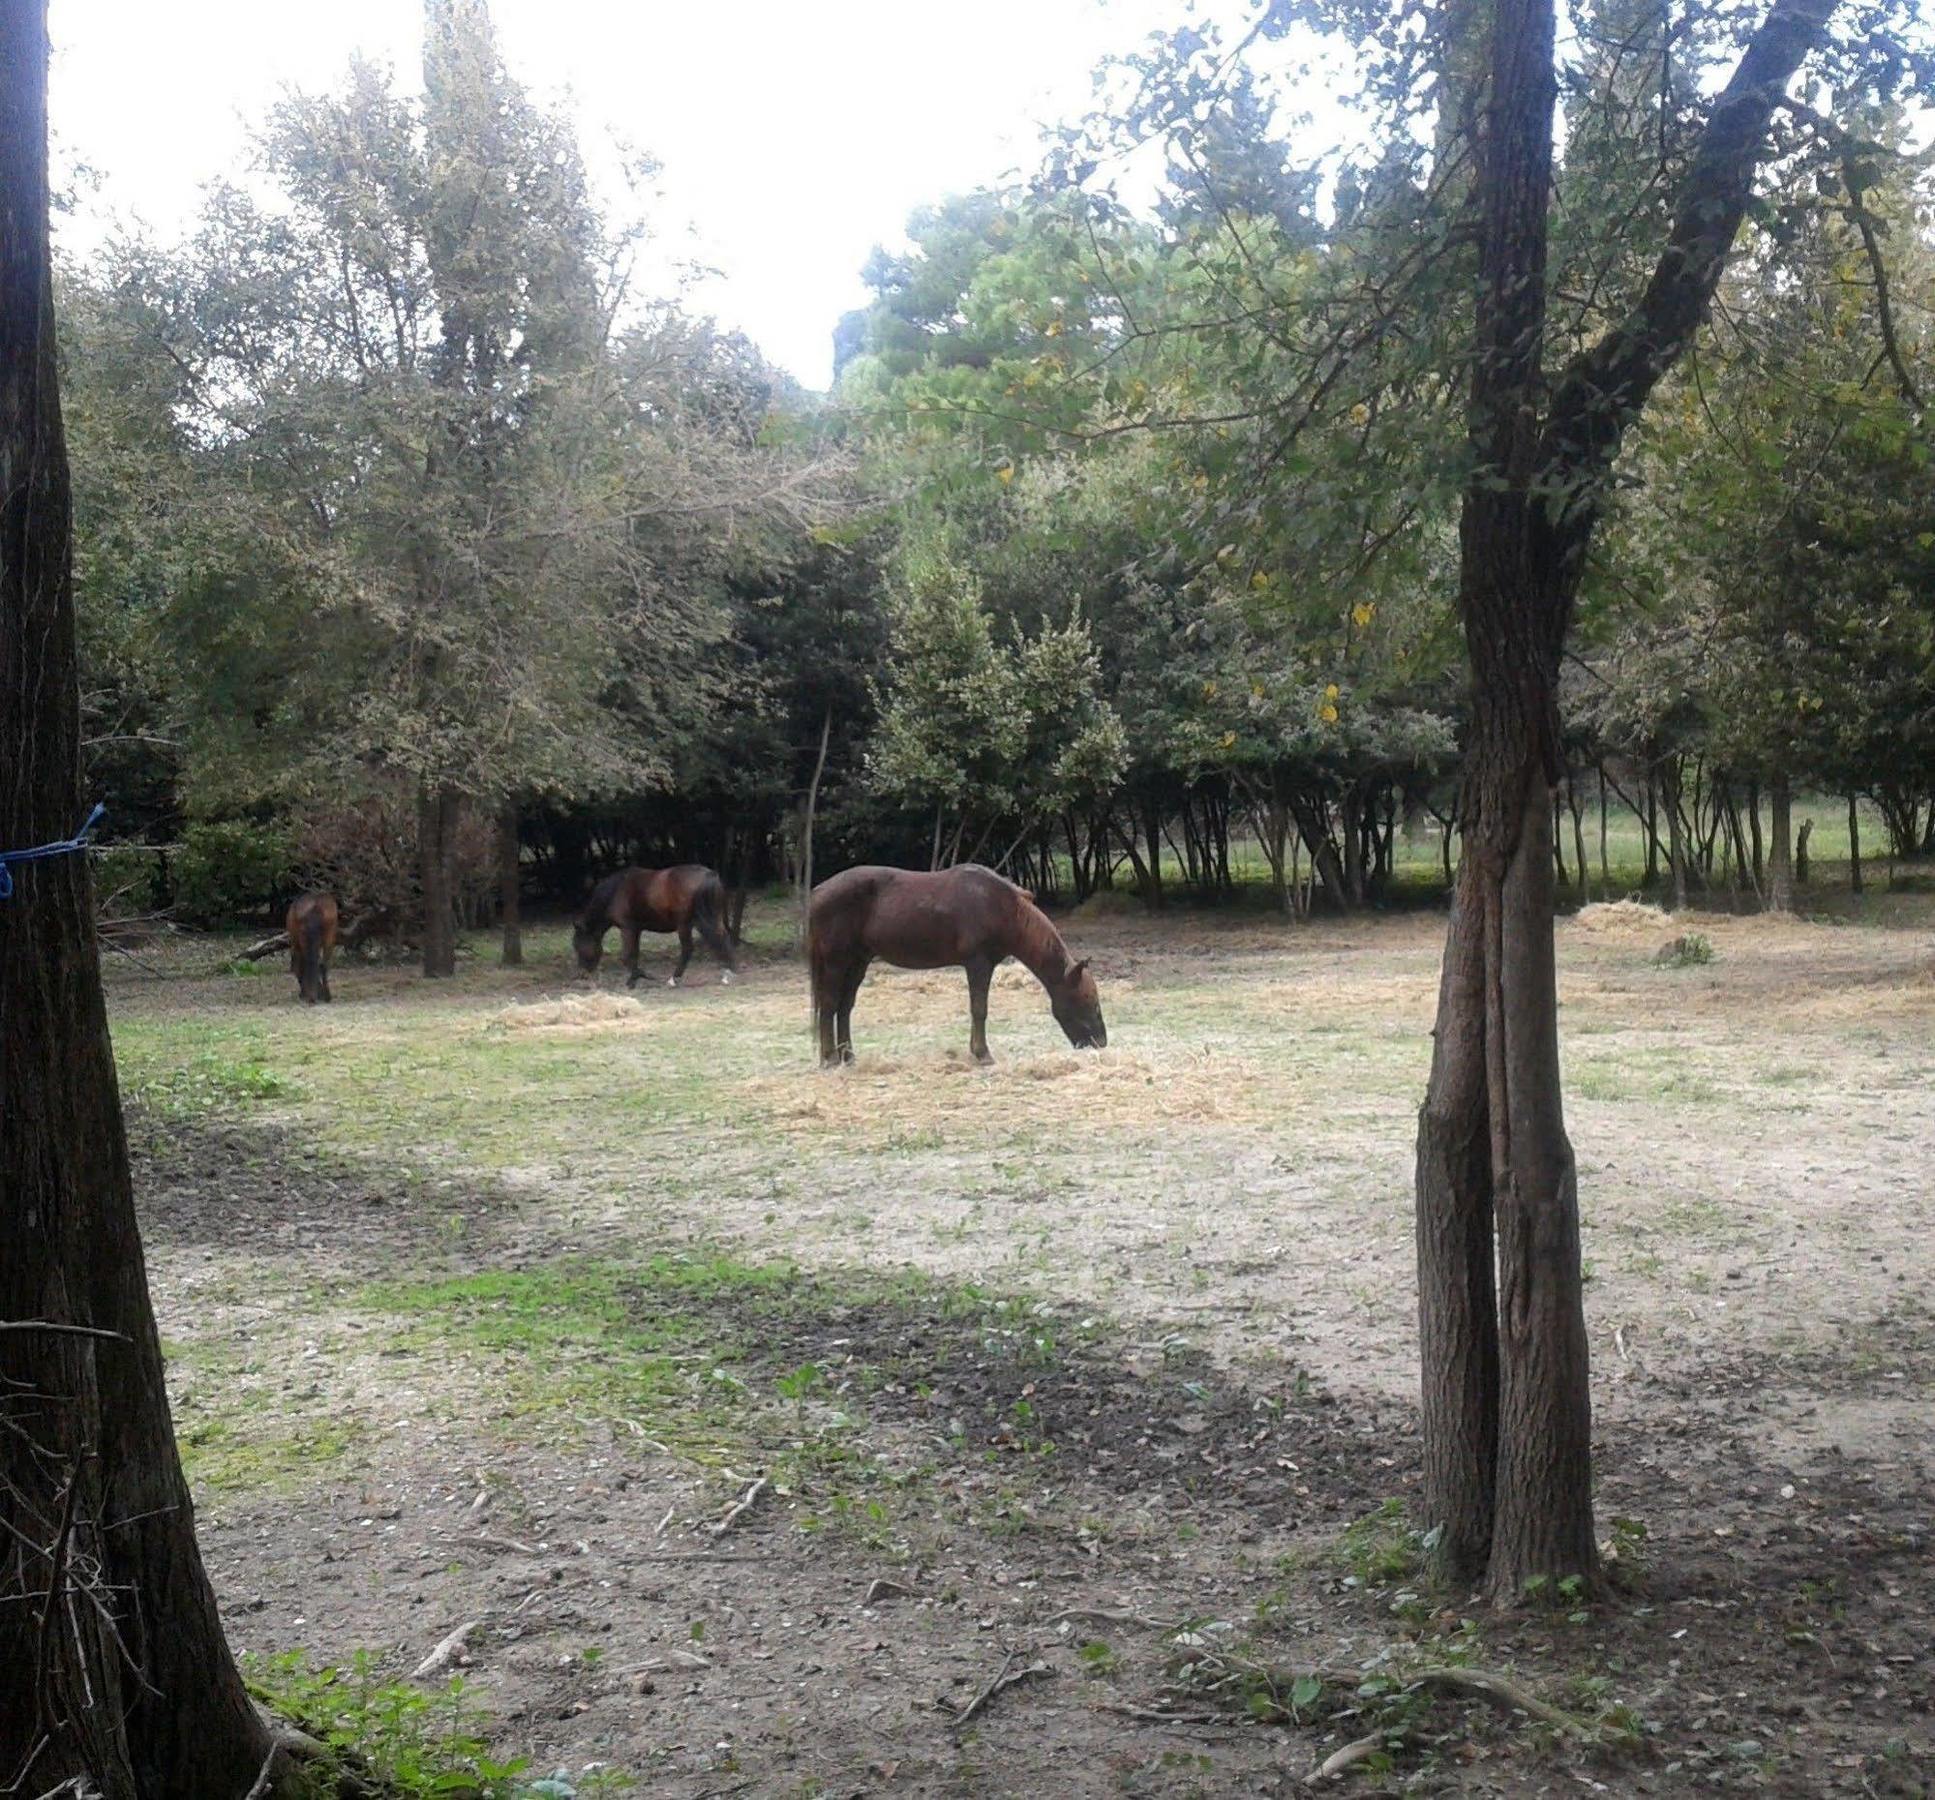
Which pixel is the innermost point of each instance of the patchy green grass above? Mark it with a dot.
(245, 1452)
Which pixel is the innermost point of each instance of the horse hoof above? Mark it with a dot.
(725, 980)
(671, 981)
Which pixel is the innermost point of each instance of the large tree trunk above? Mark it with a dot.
(114, 1676)
(1854, 843)
(1530, 507)
(436, 852)
(1676, 830)
(1780, 867)
(806, 830)
(1457, 1297)
(510, 881)
(1529, 1514)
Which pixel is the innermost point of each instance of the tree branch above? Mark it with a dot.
(1606, 385)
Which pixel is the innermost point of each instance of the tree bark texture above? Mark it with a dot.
(114, 1674)
(436, 855)
(1780, 866)
(1507, 1429)
(510, 884)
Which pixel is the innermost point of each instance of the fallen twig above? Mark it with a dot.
(999, 1684)
(1500, 1690)
(740, 1508)
(260, 1786)
(448, 1651)
(504, 1543)
(1103, 1615)
(1356, 1751)
(60, 1329)
(1155, 1715)
(881, 1588)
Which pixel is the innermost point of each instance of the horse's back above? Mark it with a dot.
(916, 918)
(313, 916)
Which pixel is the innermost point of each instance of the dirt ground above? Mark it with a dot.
(487, 1303)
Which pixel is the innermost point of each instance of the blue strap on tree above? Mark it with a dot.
(41, 852)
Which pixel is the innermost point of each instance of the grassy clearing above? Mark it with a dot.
(1244, 1141)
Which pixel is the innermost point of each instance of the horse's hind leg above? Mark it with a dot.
(685, 954)
(843, 1022)
(628, 942)
(980, 974)
(322, 981)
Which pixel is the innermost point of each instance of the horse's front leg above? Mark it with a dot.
(685, 954)
(980, 974)
(628, 943)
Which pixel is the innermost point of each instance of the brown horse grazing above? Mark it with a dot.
(686, 899)
(312, 935)
(966, 916)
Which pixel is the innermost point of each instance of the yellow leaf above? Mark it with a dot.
(1360, 414)
(1260, 580)
(1054, 328)
(1256, 690)
(1005, 474)
(1362, 614)
(1209, 690)
(1330, 692)
(1229, 737)
(1328, 714)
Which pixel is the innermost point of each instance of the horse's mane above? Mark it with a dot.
(600, 899)
(1041, 945)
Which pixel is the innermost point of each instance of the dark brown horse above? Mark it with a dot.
(312, 935)
(686, 899)
(967, 917)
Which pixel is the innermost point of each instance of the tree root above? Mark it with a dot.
(742, 1506)
(447, 1651)
(1002, 1681)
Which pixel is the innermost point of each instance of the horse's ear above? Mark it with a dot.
(1079, 967)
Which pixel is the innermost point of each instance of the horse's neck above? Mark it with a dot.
(1037, 945)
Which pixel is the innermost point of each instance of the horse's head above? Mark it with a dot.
(1078, 1008)
(590, 946)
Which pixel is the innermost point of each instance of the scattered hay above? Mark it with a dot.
(1619, 918)
(1111, 903)
(1010, 977)
(573, 1013)
(882, 1096)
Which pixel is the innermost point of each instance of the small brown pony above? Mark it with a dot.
(967, 917)
(686, 899)
(312, 935)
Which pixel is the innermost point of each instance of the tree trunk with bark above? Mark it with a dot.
(1676, 836)
(1854, 843)
(121, 1683)
(436, 857)
(812, 818)
(510, 886)
(1507, 1412)
(1780, 869)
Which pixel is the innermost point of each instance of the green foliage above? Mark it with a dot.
(417, 1744)
(231, 869)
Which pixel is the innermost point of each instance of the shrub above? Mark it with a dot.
(231, 871)
(364, 851)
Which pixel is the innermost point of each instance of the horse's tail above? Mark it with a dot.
(709, 917)
(312, 956)
(820, 1002)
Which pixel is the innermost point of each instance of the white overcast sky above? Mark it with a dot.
(795, 134)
